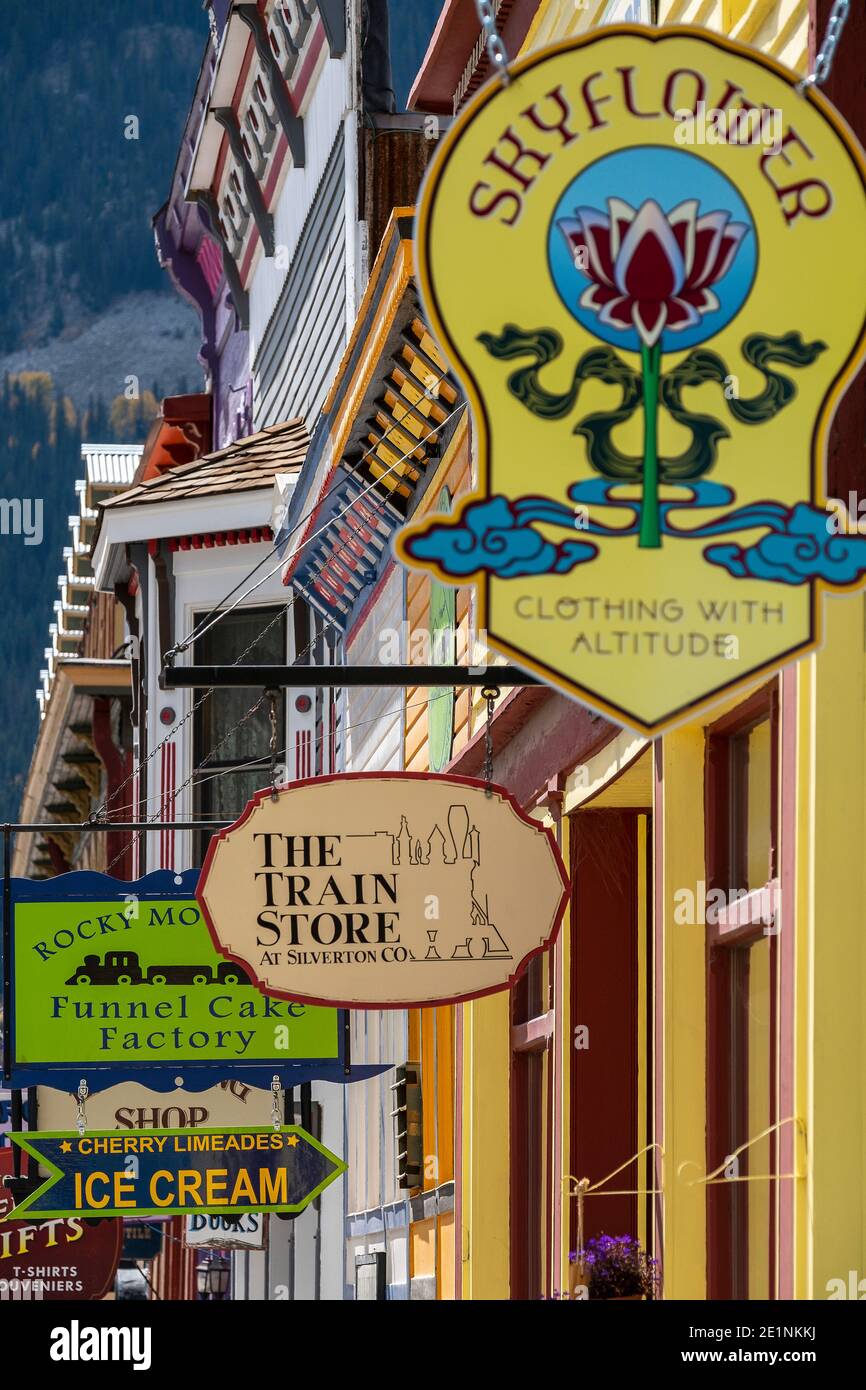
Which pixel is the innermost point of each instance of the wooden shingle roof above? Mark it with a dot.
(241, 467)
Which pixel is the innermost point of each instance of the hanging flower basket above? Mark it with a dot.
(618, 1270)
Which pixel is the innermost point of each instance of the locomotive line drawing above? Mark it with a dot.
(125, 968)
(471, 933)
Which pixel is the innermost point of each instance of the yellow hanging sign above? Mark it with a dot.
(643, 257)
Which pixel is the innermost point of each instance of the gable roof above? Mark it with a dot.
(243, 466)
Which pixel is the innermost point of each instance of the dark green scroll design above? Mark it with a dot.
(598, 364)
(758, 350)
(699, 368)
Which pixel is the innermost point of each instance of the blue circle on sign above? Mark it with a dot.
(615, 191)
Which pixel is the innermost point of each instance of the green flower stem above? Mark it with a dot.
(650, 522)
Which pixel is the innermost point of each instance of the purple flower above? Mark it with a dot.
(619, 1267)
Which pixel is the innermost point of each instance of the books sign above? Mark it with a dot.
(383, 889)
(247, 1232)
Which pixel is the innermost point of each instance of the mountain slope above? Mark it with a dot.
(94, 98)
(81, 294)
(82, 297)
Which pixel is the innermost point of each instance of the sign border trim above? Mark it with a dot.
(454, 779)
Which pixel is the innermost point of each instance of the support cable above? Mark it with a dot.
(219, 609)
(827, 52)
(218, 615)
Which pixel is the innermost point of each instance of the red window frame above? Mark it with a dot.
(730, 933)
(530, 1115)
(606, 1104)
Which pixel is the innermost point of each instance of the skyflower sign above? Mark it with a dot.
(643, 258)
(375, 890)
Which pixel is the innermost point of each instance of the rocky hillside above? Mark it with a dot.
(94, 99)
(83, 302)
(151, 336)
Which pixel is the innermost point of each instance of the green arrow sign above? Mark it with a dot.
(173, 1172)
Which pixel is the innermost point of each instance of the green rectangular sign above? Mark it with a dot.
(174, 1172)
(133, 981)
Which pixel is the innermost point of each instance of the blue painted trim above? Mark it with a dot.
(200, 1077)
(85, 885)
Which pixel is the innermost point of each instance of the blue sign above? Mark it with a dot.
(174, 1172)
(141, 1241)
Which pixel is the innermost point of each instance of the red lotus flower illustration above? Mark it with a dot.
(652, 270)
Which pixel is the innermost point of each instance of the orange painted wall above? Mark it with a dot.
(432, 1031)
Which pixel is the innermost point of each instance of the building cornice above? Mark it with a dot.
(232, 514)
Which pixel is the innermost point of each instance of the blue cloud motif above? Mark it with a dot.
(489, 538)
(801, 547)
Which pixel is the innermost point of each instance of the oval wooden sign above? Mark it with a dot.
(381, 890)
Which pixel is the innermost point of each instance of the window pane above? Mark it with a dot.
(760, 1194)
(527, 997)
(743, 1101)
(751, 808)
(215, 735)
(759, 812)
(751, 1112)
(221, 646)
(220, 714)
(225, 797)
(232, 635)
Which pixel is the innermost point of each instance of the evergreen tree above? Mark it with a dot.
(73, 185)
(39, 460)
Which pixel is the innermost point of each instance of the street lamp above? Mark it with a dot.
(212, 1278)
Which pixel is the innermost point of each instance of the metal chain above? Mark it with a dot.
(81, 1118)
(276, 1093)
(273, 697)
(244, 719)
(257, 762)
(487, 12)
(490, 693)
(827, 52)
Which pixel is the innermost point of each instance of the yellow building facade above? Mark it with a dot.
(736, 1155)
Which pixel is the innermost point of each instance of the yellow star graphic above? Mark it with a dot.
(292, 1140)
(66, 1147)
